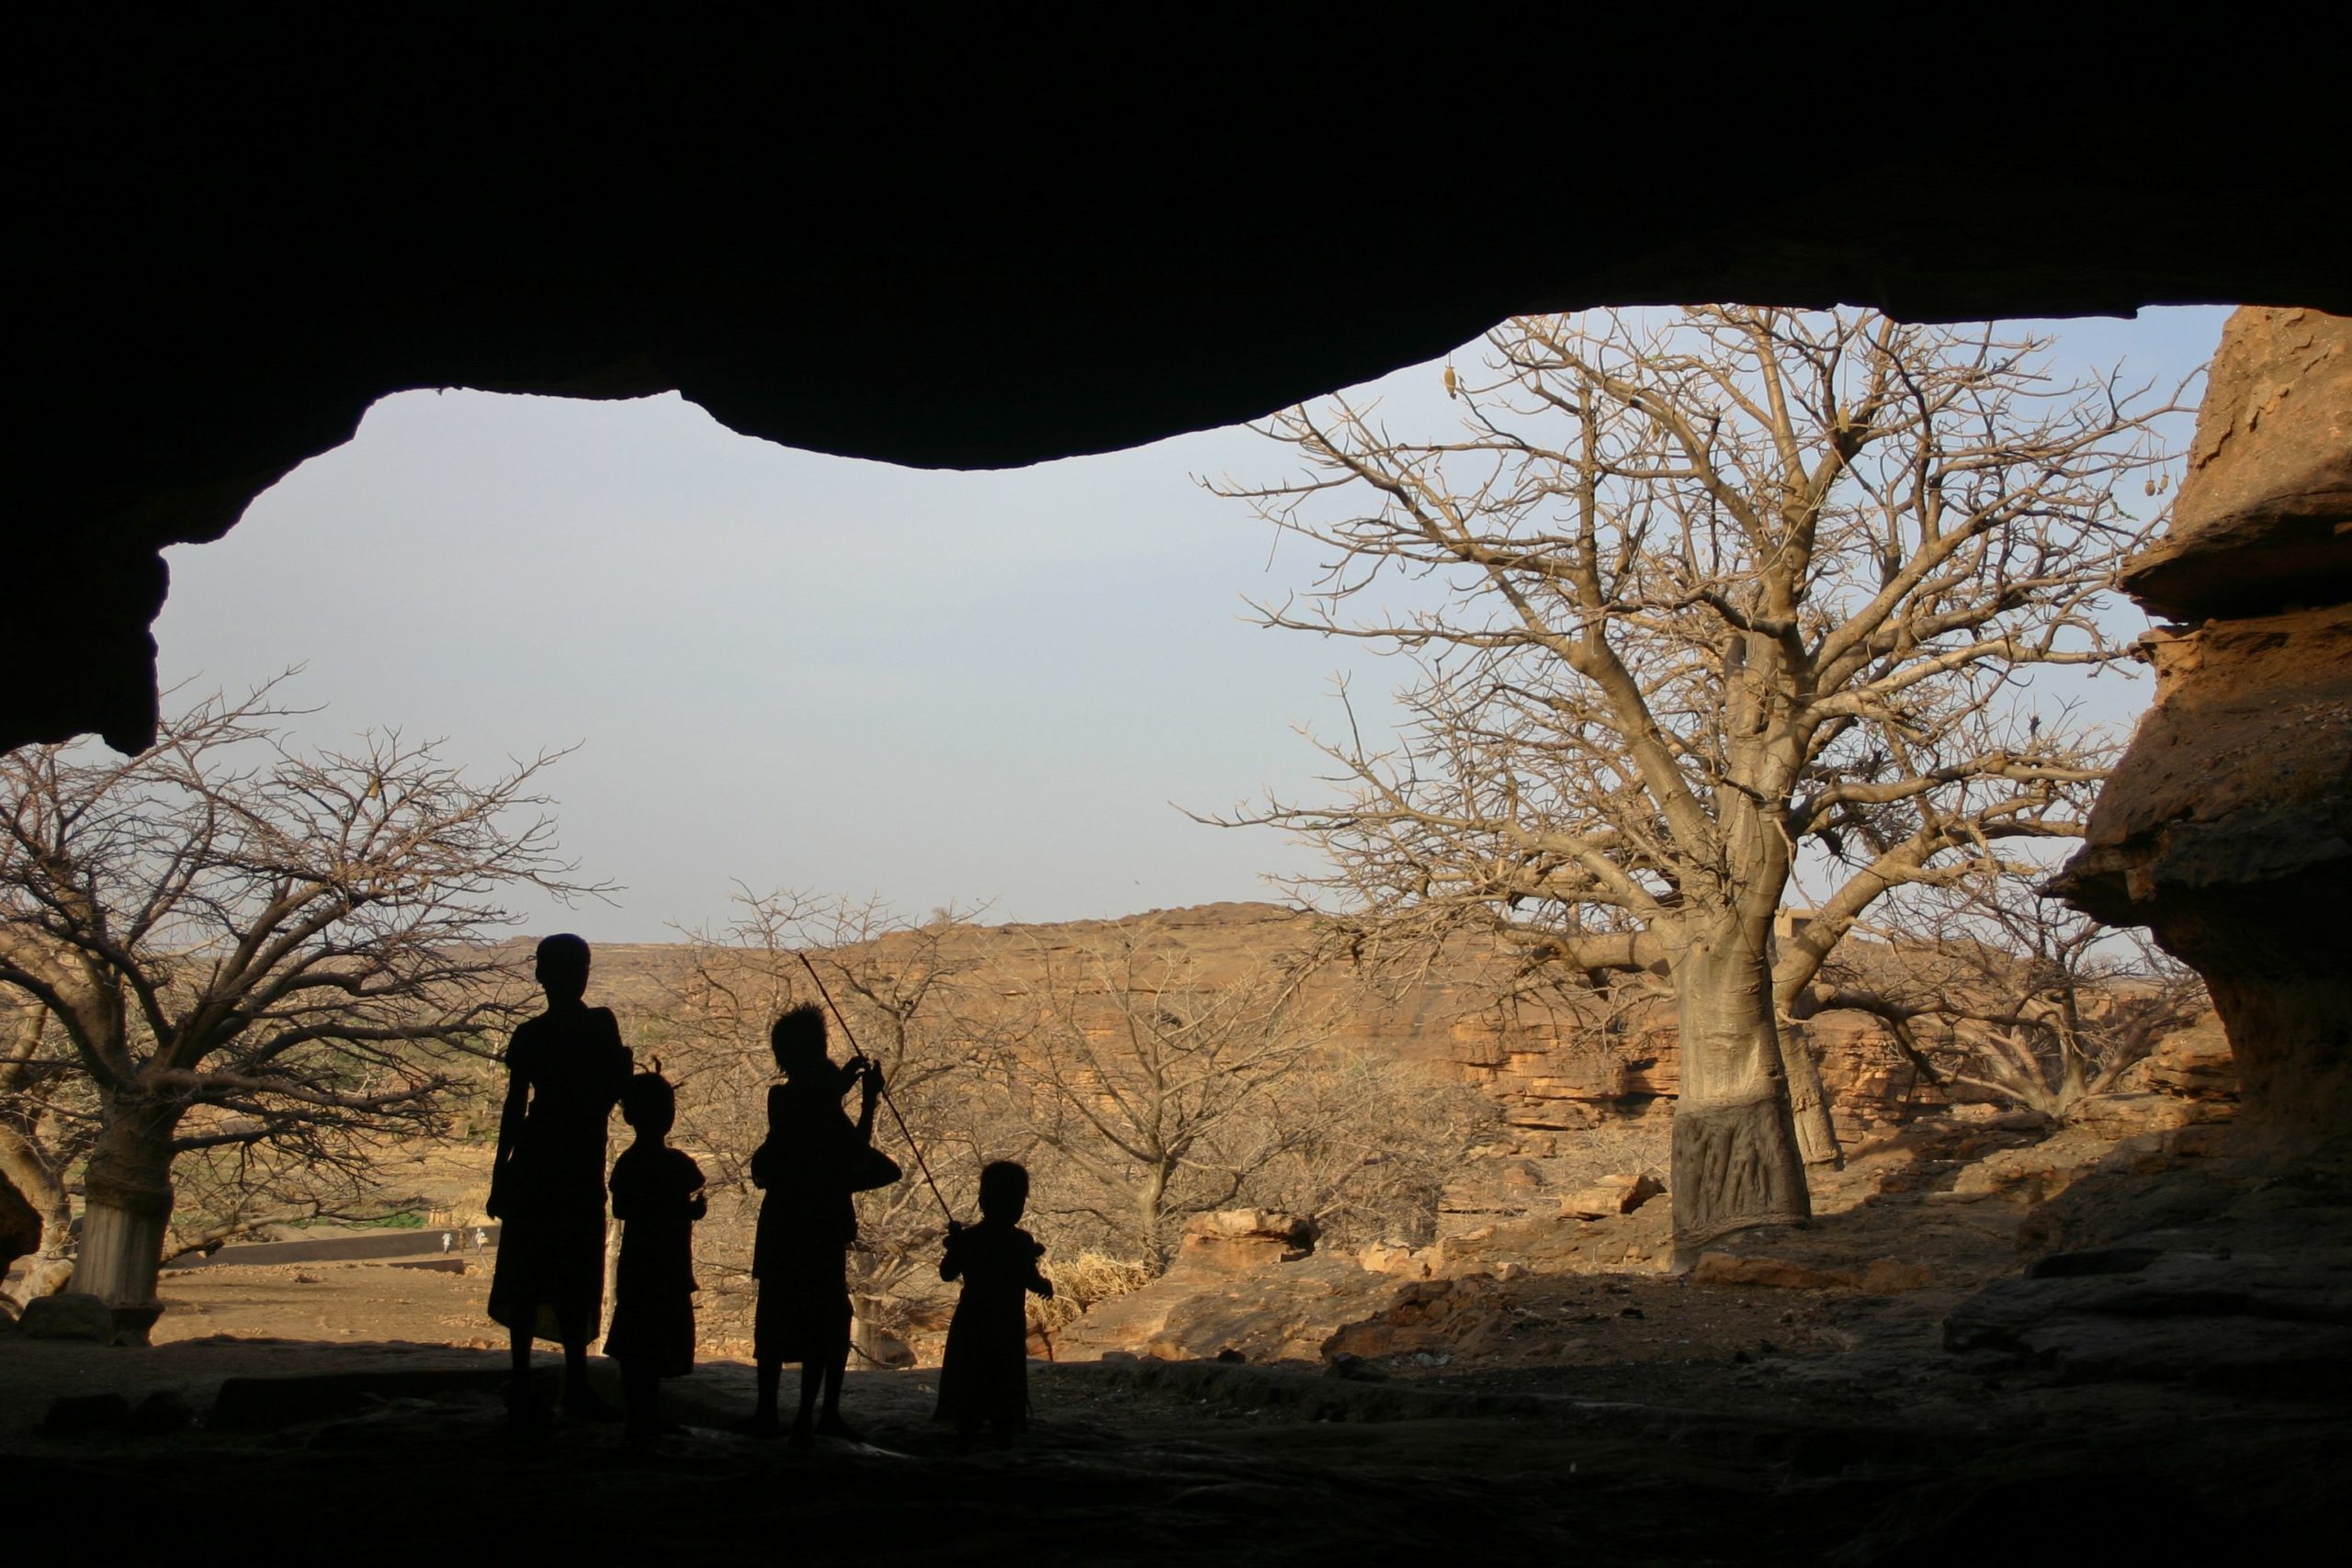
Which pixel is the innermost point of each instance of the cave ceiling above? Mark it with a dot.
(953, 249)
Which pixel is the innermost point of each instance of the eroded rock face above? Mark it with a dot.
(2261, 519)
(2227, 827)
(2194, 1063)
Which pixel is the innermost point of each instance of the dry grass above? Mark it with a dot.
(1080, 1282)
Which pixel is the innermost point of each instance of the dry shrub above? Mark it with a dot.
(1080, 1282)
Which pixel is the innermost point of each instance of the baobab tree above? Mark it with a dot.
(1684, 594)
(268, 960)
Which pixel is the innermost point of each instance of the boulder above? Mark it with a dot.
(1236, 1241)
(2121, 1116)
(71, 1314)
(1612, 1195)
(1282, 1311)
(2038, 1172)
(1385, 1258)
(1282, 1315)
(2194, 1063)
(1451, 1317)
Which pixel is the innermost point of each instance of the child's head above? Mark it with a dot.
(798, 1040)
(562, 968)
(1004, 1190)
(649, 1104)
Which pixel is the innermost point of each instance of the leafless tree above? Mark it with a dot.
(1160, 1092)
(1989, 985)
(267, 962)
(1684, 593)
(1363, 1145)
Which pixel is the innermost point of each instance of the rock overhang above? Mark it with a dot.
(953, 245)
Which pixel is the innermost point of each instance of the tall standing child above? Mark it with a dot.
(657, 1196)
(984, 1379)
(814, 1158)
(565, 1069)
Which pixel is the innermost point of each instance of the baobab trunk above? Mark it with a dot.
(127, 1205)
(1735, 1158)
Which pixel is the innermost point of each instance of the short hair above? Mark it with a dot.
(797, 1038)
(647, 1092)
(564, 953)
(1003, 1184)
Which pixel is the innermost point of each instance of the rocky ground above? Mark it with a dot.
(1951, 1364)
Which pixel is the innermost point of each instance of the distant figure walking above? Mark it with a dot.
(657, 1196)
(813, 1159)
(984, 1380)
(565, 1069)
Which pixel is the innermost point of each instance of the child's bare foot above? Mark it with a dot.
(803, 1436)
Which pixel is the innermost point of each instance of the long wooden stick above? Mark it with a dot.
(913, 1147)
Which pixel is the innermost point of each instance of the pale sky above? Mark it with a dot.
(791, 670)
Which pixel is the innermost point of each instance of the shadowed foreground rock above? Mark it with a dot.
(2213, 1265)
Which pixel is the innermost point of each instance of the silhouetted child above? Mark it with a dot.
(984, 1379)
(657, 1196)
(813, 1159)
(565, 1069)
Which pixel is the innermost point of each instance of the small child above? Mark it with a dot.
(657, 1196)
(984, 1379)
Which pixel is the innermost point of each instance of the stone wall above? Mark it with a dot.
(2227, 827)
